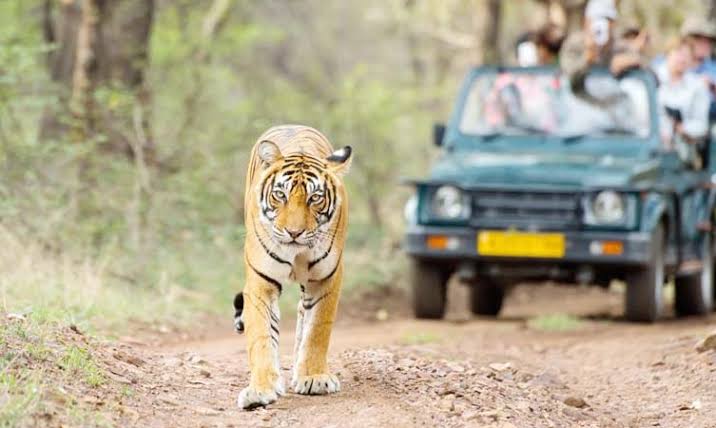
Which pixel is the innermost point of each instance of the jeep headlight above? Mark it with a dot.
(410, 210)
(609, 208)
(450, 203)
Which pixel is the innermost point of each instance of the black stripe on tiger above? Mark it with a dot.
(330, 247)
(269, 252)
(327, 277)
(266, 195)
(308, 304)
(266, 277)
(330, 197)
(307, 160)
(309, 173)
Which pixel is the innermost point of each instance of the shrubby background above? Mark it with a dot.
(122, 173)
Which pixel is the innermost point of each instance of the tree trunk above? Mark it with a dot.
(84, 75)
(60, 28)
(214, 21)
(412, 45)
(490, 37)
(100, 43)
(712, 9)
(123, 62)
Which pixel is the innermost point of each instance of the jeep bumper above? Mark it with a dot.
(581, 247)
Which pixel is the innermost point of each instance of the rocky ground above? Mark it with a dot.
(594, 371)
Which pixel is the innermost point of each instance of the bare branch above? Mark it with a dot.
(447, 36)
(216, 18)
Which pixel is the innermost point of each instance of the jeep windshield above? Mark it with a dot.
(524, 102)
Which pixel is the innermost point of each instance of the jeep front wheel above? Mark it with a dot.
(694, 294)
(429, 283)
(644, 297)
(486, 296)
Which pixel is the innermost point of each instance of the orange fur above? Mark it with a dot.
(296, 212)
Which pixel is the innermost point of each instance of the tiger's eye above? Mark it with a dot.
(278, 195)
(316, 198)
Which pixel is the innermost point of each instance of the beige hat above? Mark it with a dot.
(698, 26)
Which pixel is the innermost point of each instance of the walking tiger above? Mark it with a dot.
(296, 216)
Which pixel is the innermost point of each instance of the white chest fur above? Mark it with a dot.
(300, 272)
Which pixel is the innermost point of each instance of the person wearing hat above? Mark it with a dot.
(596, 45)
(699, 35)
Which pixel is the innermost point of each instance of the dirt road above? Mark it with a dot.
(404, 373)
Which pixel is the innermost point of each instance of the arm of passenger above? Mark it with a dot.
(666, 128)
(696, 119)
(573, 62)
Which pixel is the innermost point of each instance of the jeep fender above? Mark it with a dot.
(707, 211)
(655, 208)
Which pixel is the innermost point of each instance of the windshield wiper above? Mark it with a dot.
(601, 133)
(490, 136)
(525, 130)
(576, 138)
(530, 129)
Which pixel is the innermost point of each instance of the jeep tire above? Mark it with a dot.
(429, 283)
(486, 296)
(644, 297)
(694, 294)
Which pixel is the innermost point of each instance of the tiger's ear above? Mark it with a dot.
(269, 152)
(339, 162)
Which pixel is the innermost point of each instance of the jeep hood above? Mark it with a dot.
(476, 168)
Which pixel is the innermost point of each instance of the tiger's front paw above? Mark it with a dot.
(319, 384)
(250, 398)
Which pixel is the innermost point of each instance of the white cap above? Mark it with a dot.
(597, 9)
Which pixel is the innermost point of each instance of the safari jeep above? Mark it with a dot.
(535, 183)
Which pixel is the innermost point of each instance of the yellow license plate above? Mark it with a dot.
(520, 244)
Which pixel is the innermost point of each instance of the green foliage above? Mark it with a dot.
(555, 323)
(93, 237)
(20, 385)
(42, 372)
(19, 395)
(77, 361)
(420, 338)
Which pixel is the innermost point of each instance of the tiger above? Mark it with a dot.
(296, 216)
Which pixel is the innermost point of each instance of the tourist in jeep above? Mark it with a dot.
(699, 35)
(684, 102)
(596, 46)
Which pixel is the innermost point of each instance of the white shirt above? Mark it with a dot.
(690, 96)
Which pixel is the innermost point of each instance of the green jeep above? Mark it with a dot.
(535, 183)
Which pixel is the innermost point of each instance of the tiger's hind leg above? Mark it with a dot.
(317, 311)
(260, 318)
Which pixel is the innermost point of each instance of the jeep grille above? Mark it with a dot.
(526, 210)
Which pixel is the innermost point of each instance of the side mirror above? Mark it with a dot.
(438, 134)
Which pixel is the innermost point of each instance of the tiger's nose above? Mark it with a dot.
(295, 233)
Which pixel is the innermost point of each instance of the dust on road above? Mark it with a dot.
(495, 373)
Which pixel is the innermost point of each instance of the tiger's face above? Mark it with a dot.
(298, 194)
